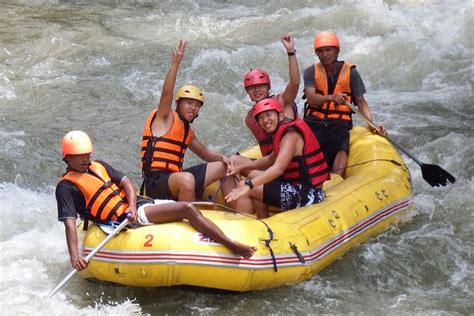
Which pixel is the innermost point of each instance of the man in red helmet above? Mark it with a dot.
(100, 193)
(257, 85)
(294, 171)
(327, 86)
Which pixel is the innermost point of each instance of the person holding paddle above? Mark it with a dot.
(328, 85)
(100, 193)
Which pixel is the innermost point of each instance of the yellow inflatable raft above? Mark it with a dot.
(292, 246)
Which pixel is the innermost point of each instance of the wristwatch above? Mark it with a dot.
(248, 182)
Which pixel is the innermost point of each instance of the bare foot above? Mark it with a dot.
(243, 250)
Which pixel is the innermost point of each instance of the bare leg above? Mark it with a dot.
(244, 204)
(340, 163)
(171, 212)
(230, 183)
(214, 171)
(182, 185)
(217, 171)
(256, 196)
(260, 208)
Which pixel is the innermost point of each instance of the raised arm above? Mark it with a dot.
(166, 99)
(288, 96)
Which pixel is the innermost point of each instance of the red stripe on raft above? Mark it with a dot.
(267, 262)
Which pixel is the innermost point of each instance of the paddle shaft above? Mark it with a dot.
(89, 256)
(371, 124)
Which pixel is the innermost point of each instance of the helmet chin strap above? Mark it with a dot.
(190, 122)
(280, 121)
(182, 117)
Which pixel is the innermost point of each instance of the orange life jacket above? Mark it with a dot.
(105, 201)
(329, 109)
(165, 152)
(310, 168)
(264, 140)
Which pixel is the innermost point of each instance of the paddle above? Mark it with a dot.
(433, 174)
(89, 256)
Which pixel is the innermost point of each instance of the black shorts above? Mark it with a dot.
(332, 135)
(141, 200)
(156, 183)
(287, 196)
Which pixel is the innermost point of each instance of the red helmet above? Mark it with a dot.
(266, 105)
(256, 76)
(325, 39)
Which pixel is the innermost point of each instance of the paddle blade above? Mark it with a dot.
(436, 176)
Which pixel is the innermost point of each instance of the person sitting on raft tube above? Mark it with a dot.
(99, 193)
(167, 135)
(327, 86)
(257, 85)
(296, 158)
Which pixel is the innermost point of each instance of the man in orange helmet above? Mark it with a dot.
(167, 135)
(100, 193)
(327, 86)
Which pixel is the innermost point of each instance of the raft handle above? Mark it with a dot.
(267, 243)
(117, 270)
(378, 195)
(297, 253)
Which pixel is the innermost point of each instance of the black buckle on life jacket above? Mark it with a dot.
(142, 187)
(85, 219)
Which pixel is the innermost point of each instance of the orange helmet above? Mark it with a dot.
(325, 39)
(256, 76)
(266, 105)
(76, 143)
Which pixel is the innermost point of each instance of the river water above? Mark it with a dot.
(99, 67)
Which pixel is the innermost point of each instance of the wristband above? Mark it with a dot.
(293, 53)
(248, 182)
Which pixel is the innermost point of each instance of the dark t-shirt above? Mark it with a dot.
(357, 85)
(70, 199)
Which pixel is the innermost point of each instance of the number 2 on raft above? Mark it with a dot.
(148, 240)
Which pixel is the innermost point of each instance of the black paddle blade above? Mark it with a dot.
(436, 176)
